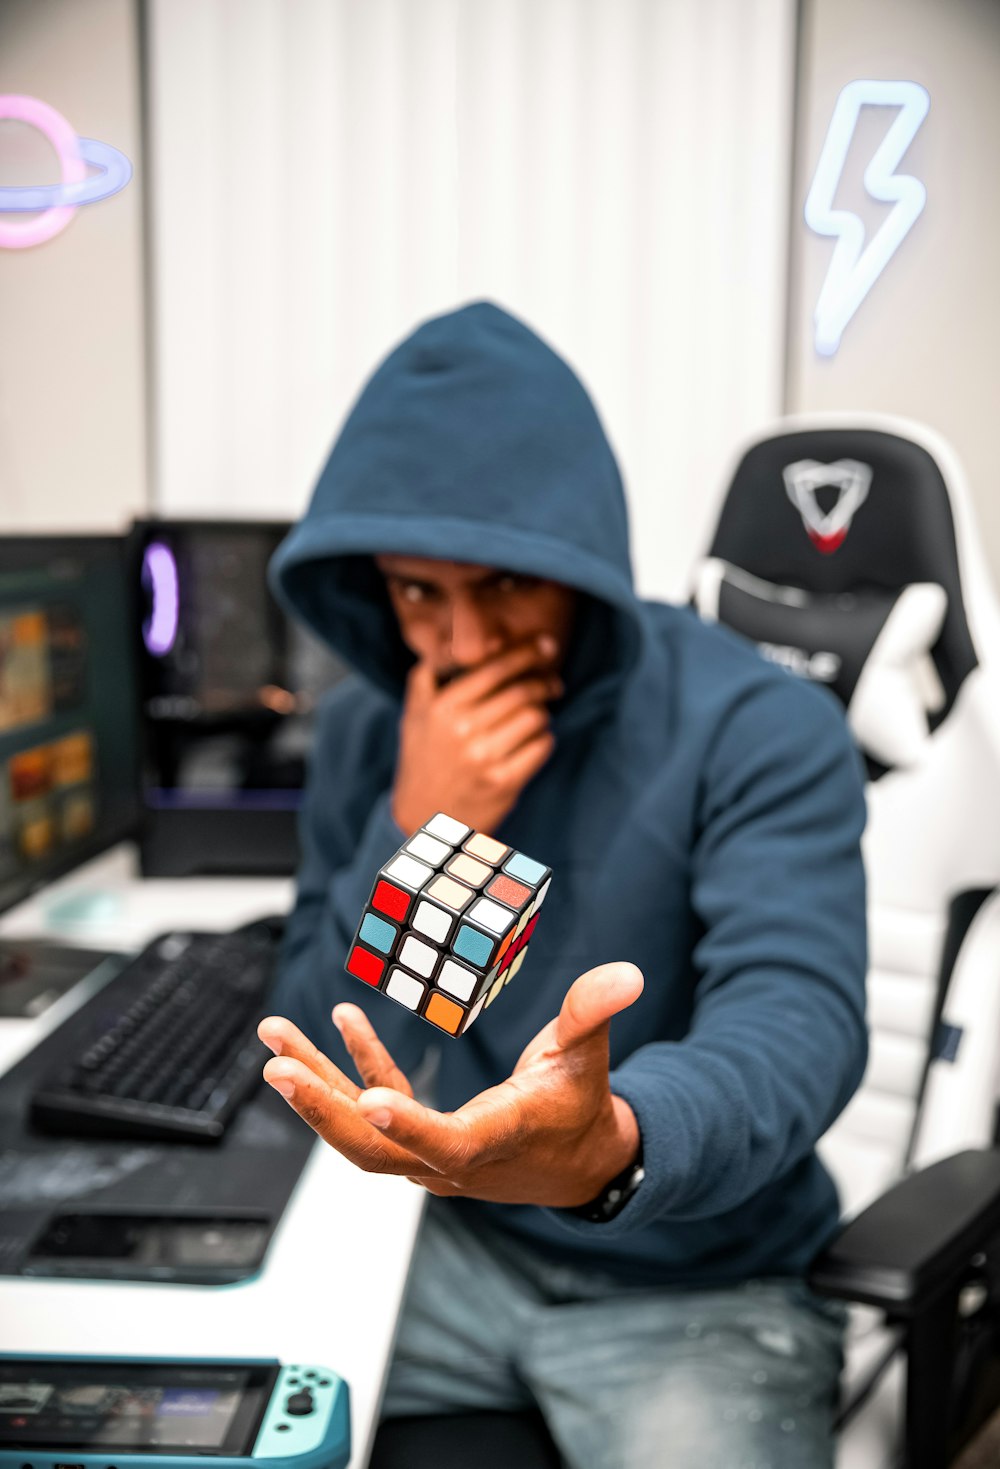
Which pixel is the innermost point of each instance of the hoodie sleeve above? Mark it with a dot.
(778, 1042)
(346, 833)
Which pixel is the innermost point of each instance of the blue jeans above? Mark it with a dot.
(627, 1377)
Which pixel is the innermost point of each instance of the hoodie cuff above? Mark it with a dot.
(352, 886)
(662, 1180)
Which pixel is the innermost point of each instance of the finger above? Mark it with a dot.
(375, 1065)
(285, 1039)
(337, 1120)
(522, 764)
(443, 1140)
(539, 690)
(501, 743)
(594, 998)
(473, 687)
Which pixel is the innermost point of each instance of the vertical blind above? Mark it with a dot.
(327, 173)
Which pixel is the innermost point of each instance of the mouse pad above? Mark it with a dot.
(34, 975)
(136, 1210)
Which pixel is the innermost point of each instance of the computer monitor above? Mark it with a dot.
(68, 737)
(228, 689)
(68, 727)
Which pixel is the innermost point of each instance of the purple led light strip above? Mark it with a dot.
(159, 574)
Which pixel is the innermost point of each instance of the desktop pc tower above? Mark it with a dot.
(228, 688)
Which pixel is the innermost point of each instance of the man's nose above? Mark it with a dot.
(473, 636)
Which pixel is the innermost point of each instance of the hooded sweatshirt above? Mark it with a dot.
(701, 811)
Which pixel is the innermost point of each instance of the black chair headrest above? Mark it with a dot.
(839, 510)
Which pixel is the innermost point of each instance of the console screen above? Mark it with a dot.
(146, 1409)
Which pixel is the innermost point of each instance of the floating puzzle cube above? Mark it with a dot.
(448, 922)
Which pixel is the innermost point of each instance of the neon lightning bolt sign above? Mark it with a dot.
(855, 266)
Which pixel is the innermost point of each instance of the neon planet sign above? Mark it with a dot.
(52, 206)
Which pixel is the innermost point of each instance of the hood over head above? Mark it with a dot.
(473, 442)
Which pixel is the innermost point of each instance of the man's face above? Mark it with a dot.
(454, 616)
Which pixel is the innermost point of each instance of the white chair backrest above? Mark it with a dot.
(830, 526)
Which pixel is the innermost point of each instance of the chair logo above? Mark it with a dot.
(850, 478)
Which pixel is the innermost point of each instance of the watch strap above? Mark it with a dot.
(615, 1194)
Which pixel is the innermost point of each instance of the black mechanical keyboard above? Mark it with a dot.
(174, 1050)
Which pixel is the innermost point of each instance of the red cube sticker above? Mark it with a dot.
(365, 965)
(391, 900)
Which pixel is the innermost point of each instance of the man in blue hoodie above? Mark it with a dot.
(624, 1212)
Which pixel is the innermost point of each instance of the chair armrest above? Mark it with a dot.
(916, 1241)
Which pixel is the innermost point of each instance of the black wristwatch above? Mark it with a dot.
(615, 1195)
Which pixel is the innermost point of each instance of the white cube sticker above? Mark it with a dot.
(433, 921)
(418, 956)
(404, 988)
(456, 980)
(428, 849)
(492, 915)
(447, 828)
(408, 870)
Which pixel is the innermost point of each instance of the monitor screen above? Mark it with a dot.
(229, 684)
(68, 736)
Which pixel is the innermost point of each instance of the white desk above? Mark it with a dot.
(334, 1275)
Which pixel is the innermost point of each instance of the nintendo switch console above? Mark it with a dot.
(126, 1413)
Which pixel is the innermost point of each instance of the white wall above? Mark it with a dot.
(325, 173)
(925, 342)
(72, 369)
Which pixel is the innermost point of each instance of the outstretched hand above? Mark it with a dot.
(552, 1134)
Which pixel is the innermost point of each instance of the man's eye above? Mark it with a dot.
(412, 592)
(514, 582)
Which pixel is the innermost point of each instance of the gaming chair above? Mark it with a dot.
(845, 549)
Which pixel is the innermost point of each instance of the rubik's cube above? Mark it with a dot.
(448, 922)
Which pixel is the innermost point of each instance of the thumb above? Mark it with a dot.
(592, 999)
